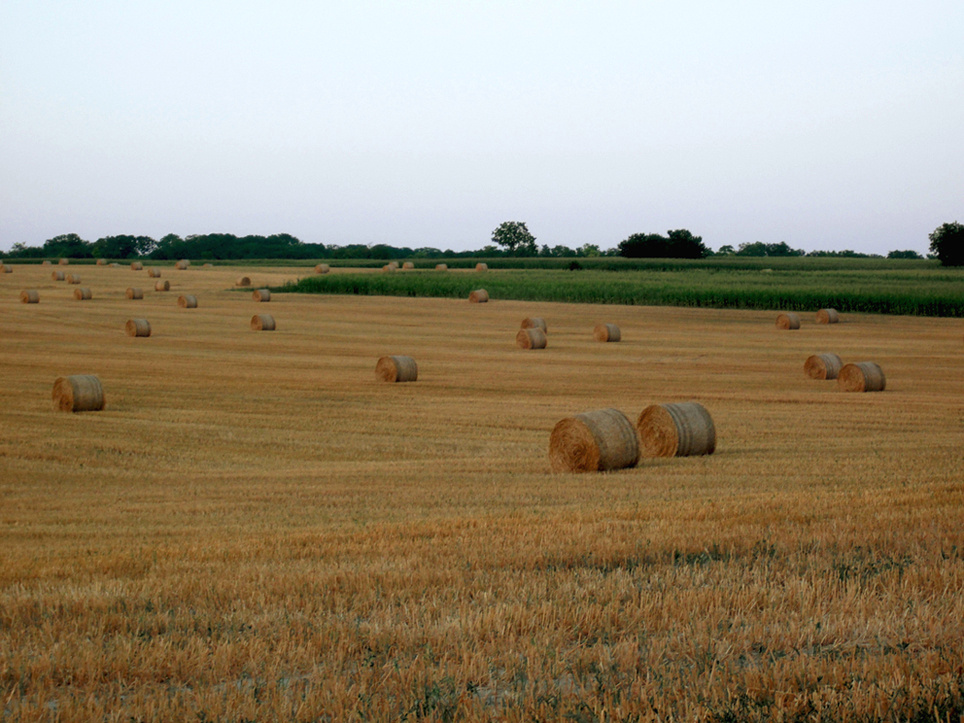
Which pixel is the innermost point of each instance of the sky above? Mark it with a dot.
(827, 125)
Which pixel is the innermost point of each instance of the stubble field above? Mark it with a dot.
(255, 528)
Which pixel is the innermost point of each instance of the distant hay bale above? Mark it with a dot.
(73, 279)
(322, 269)
(188, 301)
(408, 266)
(396, 369)
(137, 266)
(162, 285)
(822, 366)
(154, 273)
(45, 262)
(261, 295)
(6, 268)
(828, 316)
(861, 377)
(182, 265)
(64, 262)
(243, 281)
(388, 268)
(133, 293)
(606, 332)
(82, 294)
(441, 267)
(207, 266)
(531, 338)
(481, 267)
(788, 321)
(593, 442)
(534, 322)
(30, 296)
(78, 393)
(262, 322)
(479, 296)
(675, 430)
(101, 262)
(58, 276)
(138, 327)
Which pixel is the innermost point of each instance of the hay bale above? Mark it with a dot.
(322, 269)
(261, 295)
(30, 296)
(162, 285)
(788, 321)
(479, 296)
(534, 322)
(137, 266)
(6, 268)
(101, 262)
(64, 262)
(408, 266)
(396, 369)
(154, 273)
(82, 294)
(822, 366)
(182, 265)
(45, 262)
(606, 332)
(262, 322)
(58, 276)
(861, 377)
(78, 393)
(188, 301)
(675, 430)
(73, 279)
(593, 441)
(481, 267)
(133, 293)
(441, 267)
(138, 327)
(114, 264)
(388, 268)
(243, 281)
(531, 338)
(393, 265)
(828, 316)
(207, 266)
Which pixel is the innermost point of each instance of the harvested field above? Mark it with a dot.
(256, 528)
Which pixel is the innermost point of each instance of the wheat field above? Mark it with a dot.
(256, 528)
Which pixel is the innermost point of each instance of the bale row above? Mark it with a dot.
(790, 320)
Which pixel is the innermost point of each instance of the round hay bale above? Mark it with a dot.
(58, 276)
(6, 268)
(828, 316)
(593, 442)
(408, 266)
(479, 296)
(162, 285)
(393, 265)
(45, 262)
(534, 322)
(262, 322)
(262, 295)
(133, 293)
(64, 262)
(101, 262)
(182, 265)
(822, 366)
(73, 279)
(675, 430)
(78, 393)
(481, 267)
(788, 321)
(137, 266)
(322, 269)
(606, 332)
(861, 377)
(441, 267)
(207, 266)
(138, 327)
(114, 264)
(396, 369)
(531, 338)
(30, 296)
(154, 273)
(243, 281)
(82, 294)
(388, 268)
(188, 301)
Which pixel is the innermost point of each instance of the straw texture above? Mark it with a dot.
(788, 321)
(262, 322)
(30, 296)
(675, 430)
(58, 276)
(481, 267)
(133, 293)
(396, 369)
(182, 265)
(243, 281)
(479, 296)
(188, 301)
(73, 279)
(322, 269)
(534, 322)
(532, 338)
(861, 377)
(595, 441)
(164, 285)
(261, 295)
(441, 267)
(828, 316)
(78, 393)
(137, 266)
(138, 327)
(82, 294)
(154, 273)
(822, 366)
(606, 332)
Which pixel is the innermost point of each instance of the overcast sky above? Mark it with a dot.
(825, 124)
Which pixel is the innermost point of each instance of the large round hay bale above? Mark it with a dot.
(164, 285)
(78, 393)
(154, 273)
(861, 377)
(138, 327)
(534, 322)
(532, 338)
(828, 316)
(441, 267)
(133, 293)
(73, 279)
(182, 265)
(408, 266)
(322, 269)
(136, 266)
(606, 332)
(593, 442)
(30, 296)
(64, 262)
(6, 268)
(479, 296)
(396, 369)
(393, 265)
(261, 295)
(262, 322)
(187, 301)
(675, 430)
(243, 281)
(481, 267)
(207, 266)
(822, 366)
(58, 276)
(388, 268)
(45, 262)
(788, 321)
(82, 294)
(101, 262)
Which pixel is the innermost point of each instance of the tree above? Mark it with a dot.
(726, 250)
(758, 248)
(947, 243)
(68, 245)
(515, 238)
(679, 244)
(904, 255)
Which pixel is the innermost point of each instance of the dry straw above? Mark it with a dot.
(788, 321)
(822, 366)
(138, 327)
(207, 266)
(396, 369)
(408, 266)
(675, 430)
(58, 276)
(828, 316)
(533, 338)
(441, 267)
(78, 393)
(82, 294)
(64, 262)
(182, 265)
(73, 279)
(243, 281)
(262, 322)
(534, 322)
(479, 296)
(154, 273)
(30, 296)
(137, 266)
(162, 285)
(261, 295)
(133, 293)
(188, 301)
(593, 442)
(322, 269)
(861, 377)
(6, 268)
(606, 332)
(388, 268)
(481, 267)
(45, 262)
(101, 262)
(393, 265)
